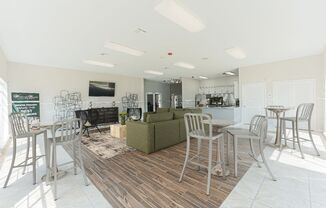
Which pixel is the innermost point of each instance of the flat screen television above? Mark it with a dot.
(99, 89)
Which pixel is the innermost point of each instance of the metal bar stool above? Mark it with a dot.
(195, 128)
(64, 132)
(303, 114)
(257, 131)
(20, 129)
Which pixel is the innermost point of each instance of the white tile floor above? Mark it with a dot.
(72, 192)
(300, 183)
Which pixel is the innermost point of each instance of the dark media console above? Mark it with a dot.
(96, 116)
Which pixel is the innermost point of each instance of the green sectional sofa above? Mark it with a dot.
(159, 130)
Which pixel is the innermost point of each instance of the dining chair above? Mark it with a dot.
(20, 129)
(82, 115)
(65, 132)
(257, 131)
(92, 118)
(303, 115)
(196, 129)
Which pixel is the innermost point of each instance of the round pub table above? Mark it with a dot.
(278, 111)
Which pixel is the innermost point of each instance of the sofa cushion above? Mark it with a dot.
(180, 114)
(162, 110)
(176, 109)
(145, 115)
(157, 117)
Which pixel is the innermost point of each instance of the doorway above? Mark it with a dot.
(253, 100)
(153, 101)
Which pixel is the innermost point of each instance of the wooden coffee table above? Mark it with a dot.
(118, 130)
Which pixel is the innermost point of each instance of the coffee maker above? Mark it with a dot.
(216, 101)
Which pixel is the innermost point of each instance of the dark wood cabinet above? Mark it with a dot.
(98, 116)
(108, 115)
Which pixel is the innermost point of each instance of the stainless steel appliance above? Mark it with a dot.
(216, 101)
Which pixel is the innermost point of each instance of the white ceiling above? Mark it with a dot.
(63, 33)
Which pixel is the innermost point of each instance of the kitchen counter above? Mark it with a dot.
(220, 107)
(230, 113)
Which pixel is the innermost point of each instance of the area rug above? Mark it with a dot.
(104, 145)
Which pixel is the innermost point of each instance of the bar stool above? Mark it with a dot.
(303, 114)
(64, 132)
(20, 129)
(257, 131)
(196, 129)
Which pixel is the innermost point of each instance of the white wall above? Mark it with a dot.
(3, 101)
(295, 69)
(49, 81)
(190, 88)
(324, 88)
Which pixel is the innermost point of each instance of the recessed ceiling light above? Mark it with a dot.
(153, 72)
(229, 73)
(184, 65)
(124, 49)
(202, 77)
(236, 52)
(179, 15)
(97, 63)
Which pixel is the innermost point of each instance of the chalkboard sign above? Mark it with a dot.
(31, 109)
(24, 97)
(27, 103)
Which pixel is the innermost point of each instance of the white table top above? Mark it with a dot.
(278, 109)
(219, 122)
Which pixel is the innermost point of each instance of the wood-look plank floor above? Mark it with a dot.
(137, 180)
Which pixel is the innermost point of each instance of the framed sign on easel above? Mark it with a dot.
(28, 103)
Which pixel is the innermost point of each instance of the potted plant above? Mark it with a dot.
(123, 116)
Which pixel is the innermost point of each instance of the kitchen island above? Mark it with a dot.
(232, 113)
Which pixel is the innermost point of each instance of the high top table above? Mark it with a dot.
(278, 111)
(220, 124)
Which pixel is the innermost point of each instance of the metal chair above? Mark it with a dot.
(20, 129)
(303, 114)
(65, 132)
(257, 131)
(196, 129)
(89, 119)
(82, 114)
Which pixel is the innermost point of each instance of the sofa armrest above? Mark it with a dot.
(140, 135)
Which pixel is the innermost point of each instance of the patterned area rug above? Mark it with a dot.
(104, 145)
